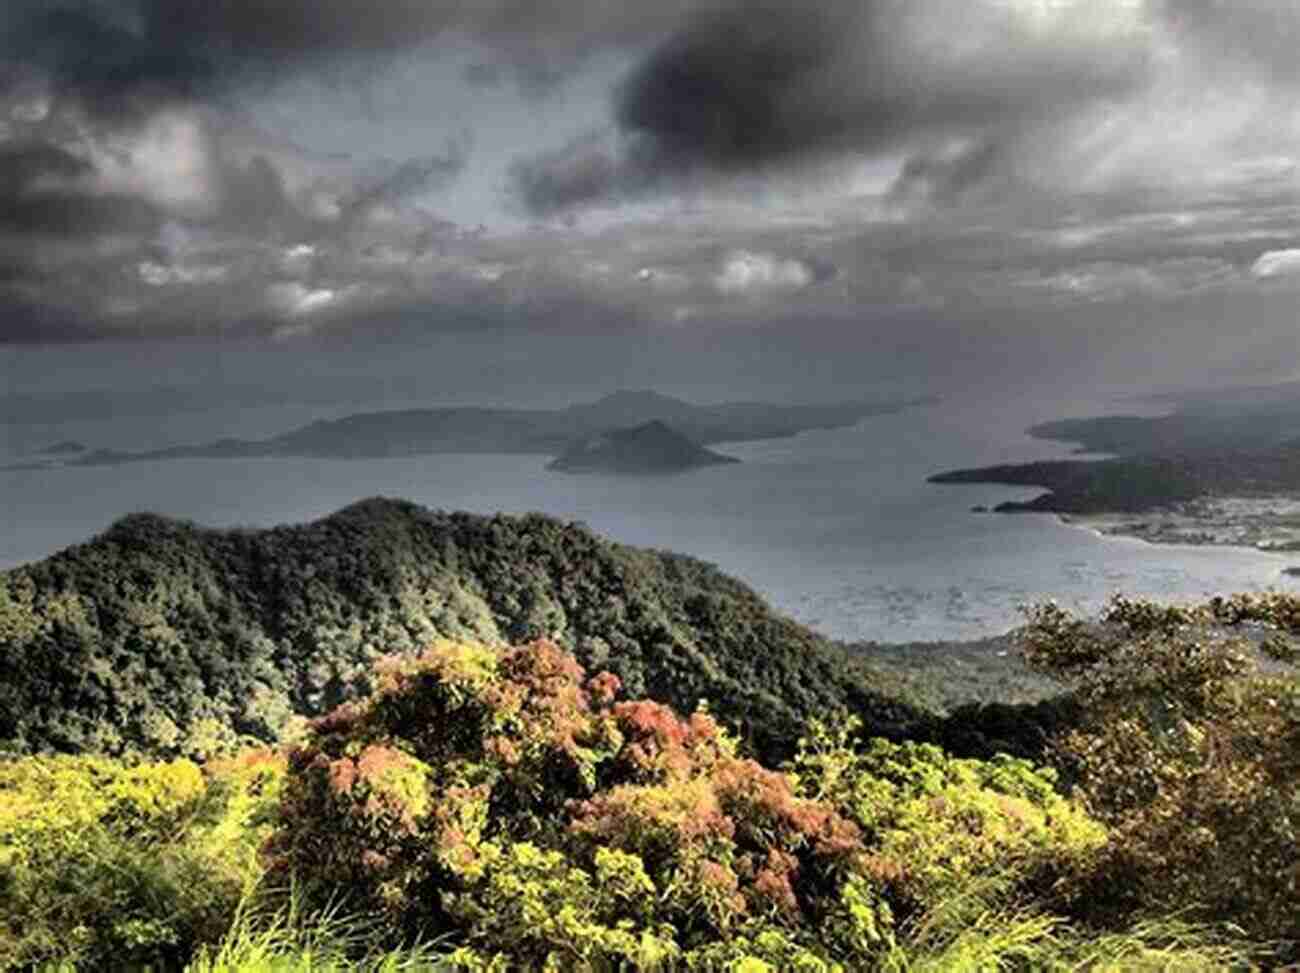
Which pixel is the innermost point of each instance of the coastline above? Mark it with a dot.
(1264, 525)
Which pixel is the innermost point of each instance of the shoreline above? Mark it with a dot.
(1267, 525)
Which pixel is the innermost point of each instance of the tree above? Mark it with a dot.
(1188, 748)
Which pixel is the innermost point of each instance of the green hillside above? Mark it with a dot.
(164, 637)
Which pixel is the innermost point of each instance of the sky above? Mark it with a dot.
(965, 190)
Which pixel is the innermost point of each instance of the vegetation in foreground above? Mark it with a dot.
(493, 810)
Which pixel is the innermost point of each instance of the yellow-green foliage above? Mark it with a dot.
(102, 861)
(934, 822)
(510, 803)
(43, 796)
(519, 816)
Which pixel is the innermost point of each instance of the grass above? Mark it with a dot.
(996, 942)
(952, 940)
(975, 932)
(285, 939)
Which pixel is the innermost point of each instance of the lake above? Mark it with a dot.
(837, 528)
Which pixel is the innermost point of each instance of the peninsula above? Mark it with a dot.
(1223, 468)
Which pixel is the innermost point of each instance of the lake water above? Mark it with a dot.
(837, 528)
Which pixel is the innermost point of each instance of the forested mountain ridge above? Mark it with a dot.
(166, 637)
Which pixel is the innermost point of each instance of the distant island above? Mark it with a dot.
(66, 448)
(470, 429)
(653, 447)
(1223, 468)
(48, 455)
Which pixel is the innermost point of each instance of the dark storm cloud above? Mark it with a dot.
(748, 86)
(268, 28)
(24, 167)
(106, 49)
(98, 55)
(116, 57)
(115, 128)
(947, 180)
(589, 168)
(718, 92)
(41, 195)
(727, 81)
(179, 46)
(129, 125)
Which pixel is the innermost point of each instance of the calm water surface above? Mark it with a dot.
(837, 528)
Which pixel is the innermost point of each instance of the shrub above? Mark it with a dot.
(104, 863)
(507, 801)
(1189, 749)
(936, 824)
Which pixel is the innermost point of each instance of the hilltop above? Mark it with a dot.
(649, 448)
(162, 636)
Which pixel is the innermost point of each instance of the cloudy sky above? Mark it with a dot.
(1109, 178)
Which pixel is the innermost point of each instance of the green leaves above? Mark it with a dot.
(1189, 749)
(554, 826)
(519, 815)
(105, 864)
(145, 638)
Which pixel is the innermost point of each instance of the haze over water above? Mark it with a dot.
(837, 528)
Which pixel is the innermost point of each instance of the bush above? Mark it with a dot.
(938, 826)
(1189, 750)
(512, 804)
(499, 811)
(104, 863)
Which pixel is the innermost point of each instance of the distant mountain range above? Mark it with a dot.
(652, 447)
(413, 432)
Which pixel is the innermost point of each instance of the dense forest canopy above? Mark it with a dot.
(167, 638)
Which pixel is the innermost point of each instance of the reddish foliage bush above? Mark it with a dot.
(397, 796)
(506, 798)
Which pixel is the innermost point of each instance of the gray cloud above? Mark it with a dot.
(706, 272)
(1013, 153)
(949, 178)
(590, 168)
(94, 45)
(747, 86)
(412, 177)
(109, 48)
(44, 192)
(1277, 263)
(754, 78)
(1263, 34)
(102, 146)
(482, 74)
